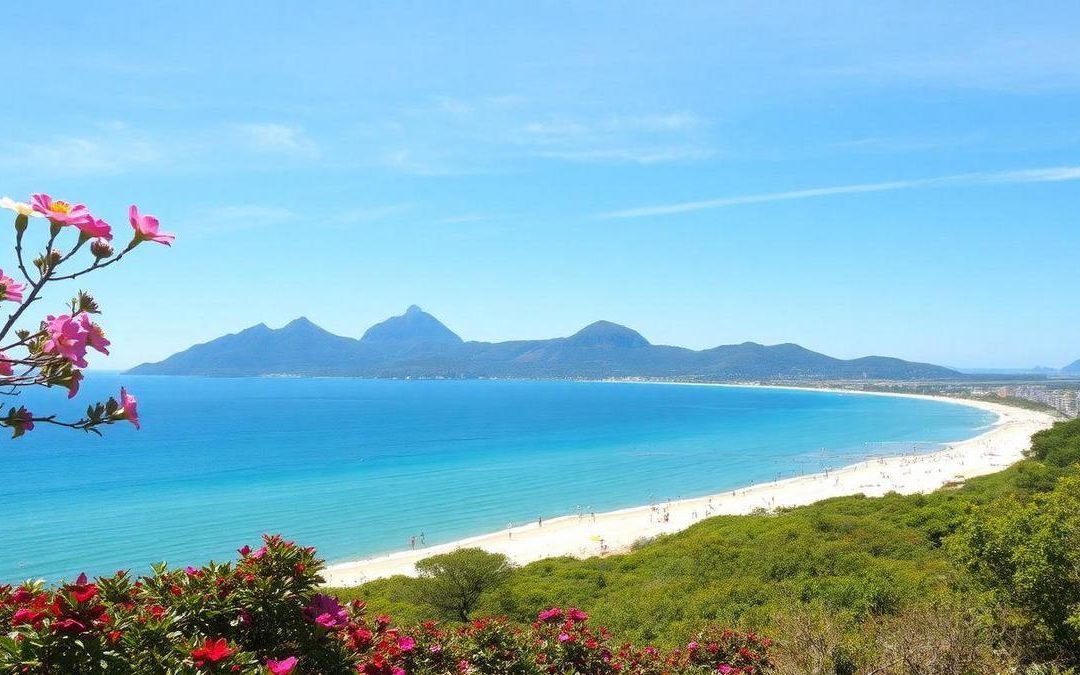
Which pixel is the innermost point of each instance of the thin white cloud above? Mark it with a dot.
(250, 216)
(272, 137)
(465, 218)
(112, 148)
(1043, 175)
(238, 217)
(369, 214)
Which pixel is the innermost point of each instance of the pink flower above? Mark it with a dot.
(95, 337)
(244, 550)
(259, 553)
(326, 621)
(67, 338)
(575, 614)
(130, 413)
(21, 421)
(281, 667)
(60, 212)
(146, 228)
(564, 637)
(95, 227)
(406, 644)
(73, 383)
(9, 289)
(6, 365)
(326, 612)
(553, 614)
(725, 669)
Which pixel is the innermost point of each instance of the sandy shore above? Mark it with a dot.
(1003, 444)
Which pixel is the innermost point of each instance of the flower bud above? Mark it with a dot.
(44, 265)
(21, 222)
(101, 248)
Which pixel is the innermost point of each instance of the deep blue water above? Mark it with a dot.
(356, 467)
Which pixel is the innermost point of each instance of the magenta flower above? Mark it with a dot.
(146, 228)
(66, 337)
(130, 413)
(406, 643)
(326, 612)
(282, 667)
(7, 367)
(73, 383)
(553, 614)
(95, 227)
(95, 337)
(21, 421)
(60, 212)
(9, 289)
(575, 614)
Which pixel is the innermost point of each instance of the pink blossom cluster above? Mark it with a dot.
(57, 350)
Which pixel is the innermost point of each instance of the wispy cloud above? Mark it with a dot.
(272, 137)
(465, 218)
(110, 148)
(368, 214)
(1043, 175)
(634, 139)
(494, 134)
(249, 216)
(238, 217)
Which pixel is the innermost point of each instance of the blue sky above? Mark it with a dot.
(891, 178)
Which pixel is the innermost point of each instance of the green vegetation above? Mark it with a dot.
(451, 584)
(992, 567)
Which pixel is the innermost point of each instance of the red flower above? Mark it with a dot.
(68, 626)
(212, 651)
(81, 590)
(27, 616)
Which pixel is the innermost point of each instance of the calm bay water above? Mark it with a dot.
(356, 467)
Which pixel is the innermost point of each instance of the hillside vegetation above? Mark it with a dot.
(993, 562)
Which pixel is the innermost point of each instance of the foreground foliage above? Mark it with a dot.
(264, 614)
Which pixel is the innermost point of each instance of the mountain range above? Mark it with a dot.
(418, 345)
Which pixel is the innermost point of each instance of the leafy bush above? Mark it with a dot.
(265, 614)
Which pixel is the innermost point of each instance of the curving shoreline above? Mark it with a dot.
(615, 531)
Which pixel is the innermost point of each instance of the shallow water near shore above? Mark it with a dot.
(359, 467)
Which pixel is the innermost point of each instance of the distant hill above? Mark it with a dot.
(417, 344)
(1072, 369)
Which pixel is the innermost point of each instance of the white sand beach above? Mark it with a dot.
(616, 531)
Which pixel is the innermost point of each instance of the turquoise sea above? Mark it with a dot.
(357, 467)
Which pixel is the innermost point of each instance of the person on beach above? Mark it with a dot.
(422, 540)
(540, 521)
(412, 542)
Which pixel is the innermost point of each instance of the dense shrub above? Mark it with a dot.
(265, 614)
